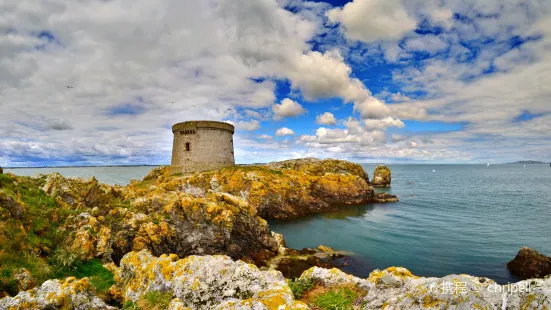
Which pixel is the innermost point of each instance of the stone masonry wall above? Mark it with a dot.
(209, 148)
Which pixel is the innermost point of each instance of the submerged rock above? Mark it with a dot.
(385, 197)
(530, 264)
(381, 177)
(57, 294)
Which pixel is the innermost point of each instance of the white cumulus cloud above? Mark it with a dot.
(371, 20)
(248, 126)
(326, 118)
(287, 108)
(383, 123)
(282, 132)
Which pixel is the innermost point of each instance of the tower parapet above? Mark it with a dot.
(202, 146)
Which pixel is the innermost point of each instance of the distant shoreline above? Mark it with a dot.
(128, 166)
(106, 166)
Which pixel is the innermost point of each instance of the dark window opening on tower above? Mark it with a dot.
(187, 147)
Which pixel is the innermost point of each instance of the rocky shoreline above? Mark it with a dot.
(200, 241)
(144, 281)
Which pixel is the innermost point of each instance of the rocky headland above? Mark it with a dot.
(200, 241)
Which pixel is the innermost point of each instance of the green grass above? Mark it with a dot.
(157, 300)
(9, 264)
(336, 299)
(300, 286)
(130, 306)
(99, 276)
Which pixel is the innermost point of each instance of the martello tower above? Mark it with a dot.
(201, 146)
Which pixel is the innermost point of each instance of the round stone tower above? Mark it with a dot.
(201, 146)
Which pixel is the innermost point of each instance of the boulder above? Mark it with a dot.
(530, 264)
(203, 282)
(381, 177)
(57, 294)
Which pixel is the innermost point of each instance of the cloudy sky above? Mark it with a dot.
(448, 81)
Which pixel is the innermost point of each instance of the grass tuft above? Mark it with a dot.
(336, 299)
(100, 277)
(300, 286)
(155, 300)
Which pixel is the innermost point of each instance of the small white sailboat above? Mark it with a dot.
(433, 170)
(524, 166)
(488, 165)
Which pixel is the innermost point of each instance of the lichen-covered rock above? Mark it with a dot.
(320, 167)
(204, 282)
(25, 280)
(160, 218)
(57, 294)
(284, 189)
(397, 288)
(280, 241)
(76, 193)
(381, 177)
(215, 212)
(15, 208)
(334, 277)
(530, 264)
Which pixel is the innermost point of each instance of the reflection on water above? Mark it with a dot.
(349, 211)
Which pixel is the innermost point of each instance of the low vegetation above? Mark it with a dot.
(99, 276)
(31, 238)
(336, 299)
(300, 286)
(326, 298)
(154, 300)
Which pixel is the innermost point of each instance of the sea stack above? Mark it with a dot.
(381, 177)
(201, 146)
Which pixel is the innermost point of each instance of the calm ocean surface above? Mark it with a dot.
(459, 219)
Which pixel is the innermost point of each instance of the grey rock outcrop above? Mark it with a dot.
(204, 282)
(57, 294)
(396, 288)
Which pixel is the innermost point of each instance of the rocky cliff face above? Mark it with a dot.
(285, 189)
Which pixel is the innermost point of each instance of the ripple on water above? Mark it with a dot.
(461, 219)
